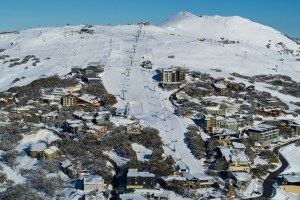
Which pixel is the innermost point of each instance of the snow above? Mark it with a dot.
(178, 36)
(142, 152)
(41, 135)
(12, 174)
(254, 185)
(283, 195)
(258, 160)
(120, 161)
(289, 153)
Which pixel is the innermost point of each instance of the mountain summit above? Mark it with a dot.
(233, 28)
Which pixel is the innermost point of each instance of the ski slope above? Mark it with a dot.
(121, 51)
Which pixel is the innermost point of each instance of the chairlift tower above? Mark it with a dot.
(174, 142)
(123, 94)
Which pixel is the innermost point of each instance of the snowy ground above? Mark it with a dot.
(291, 153)
(142, 153)
(283, 195)
(147, 103)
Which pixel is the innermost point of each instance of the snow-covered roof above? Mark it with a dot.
(65, 163)
(171, 178)
(262, 128)
(135, 173)
(220, 118)
(292, 177)
(238, 145)
(50, 114)
(231, 120)
(92, 180)
(73, 121)
(51, 97)
(241, 176)
(233, 155)
(132, 197)
(54, 148)
(220, 85)
(204, 176)
(38, 147)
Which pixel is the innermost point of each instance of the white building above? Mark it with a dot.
(93, 182)
(263, 133)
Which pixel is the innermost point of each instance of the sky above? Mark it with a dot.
(282, 15)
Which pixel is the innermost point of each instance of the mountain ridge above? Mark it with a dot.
(200, 43)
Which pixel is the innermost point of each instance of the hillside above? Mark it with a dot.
(58, 49)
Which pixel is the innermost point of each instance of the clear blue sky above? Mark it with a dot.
(283, 15)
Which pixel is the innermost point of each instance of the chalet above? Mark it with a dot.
(64, 165)
(237, 159)
(93, 182)
(182, 168)
(205, 180)
(51, 152)
(49, 117)
(227, 137)
(220, 88)
(167, 181)
(95, 195)
(21, 111)
(50, 99)
(238, 145)
(140, 180)
(96, 130)
(232, 124)
(74, 125)
(241, 179)
(86, 117)
(199, 181)
(59, 92)
(291, 183)
(132, 196)
(102, 117)
(263, 133)
(37, 150)
(215, 110)
(81, 100)
(135, 128)
(271, 112)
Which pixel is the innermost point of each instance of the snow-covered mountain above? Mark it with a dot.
(194, 41)
(233, 28)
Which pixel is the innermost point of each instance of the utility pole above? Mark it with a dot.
(276, 68)
(245, 54)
